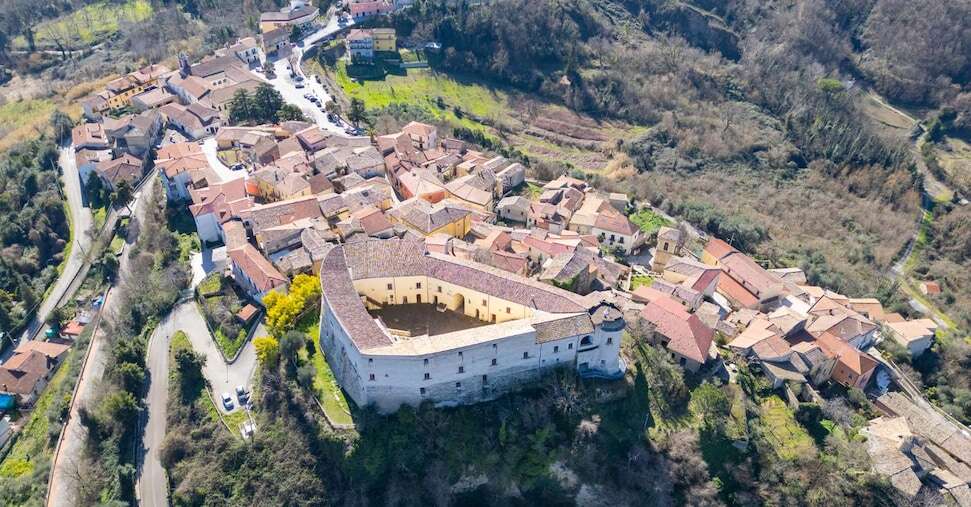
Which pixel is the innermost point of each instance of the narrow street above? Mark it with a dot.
(81, 222)
(64, 466)
(152, 486)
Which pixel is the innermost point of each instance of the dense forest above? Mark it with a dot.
(33, 228)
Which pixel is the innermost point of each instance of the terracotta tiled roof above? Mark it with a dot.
(688, 336)
(250, 261)
(124, 168)
(845, 354)
(718, 248)
(395, 258)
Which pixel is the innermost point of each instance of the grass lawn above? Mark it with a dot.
(70, 240)
(325, 385)
(228, 157)
(117, 244)
(649, 221)
(181, 342)
(32, 444)
(211, 284)
(20, 120)
(98, 217)
(638, 280)
(230, 346)
(90, 24)
(788, 437)
(531, 191)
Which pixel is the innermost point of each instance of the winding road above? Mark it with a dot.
(65, 474)
(222, 377)
(81, 222)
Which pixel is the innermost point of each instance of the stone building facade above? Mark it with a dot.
(526, 327)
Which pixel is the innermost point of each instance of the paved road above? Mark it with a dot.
(64, 477)
(222, 377)
(81, 218)
(211, 149)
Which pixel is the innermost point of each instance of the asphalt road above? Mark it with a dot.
(64, 469)
(222, 377)
(81, 219)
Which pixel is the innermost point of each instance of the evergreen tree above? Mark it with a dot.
(241, 107)
(266, 102)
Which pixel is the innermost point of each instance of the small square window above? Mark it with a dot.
(370, 360)
(494, 362)
(421, 391)
(371, 377)
(460, 354)
(494, 347)
(461, 369)
(426, 362)
(458, 385)
(569, 346)
(428, 376)
(508, 310)
(390, 287)
(418, 285)
(556, 349)
(610, 339)
(439, 288)
(525, 355)
(484, 302)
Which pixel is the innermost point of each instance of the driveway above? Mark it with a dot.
(211, 149)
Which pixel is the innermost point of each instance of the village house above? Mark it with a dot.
(428, 219)
(127, 168)
(119, 92)
(514, 209)
(360, 45)
(177, 164)
(298, 14)
(916, 335)
(216, 204)
(679, 333)
(361, 10)
(254, 273)
(743, 282)
(27, 371)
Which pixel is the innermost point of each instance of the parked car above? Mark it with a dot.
(237, 167)
(298, 84)
(242, 394)
(317, 77)
(227, 401)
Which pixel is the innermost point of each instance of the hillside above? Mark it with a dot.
(740, 110)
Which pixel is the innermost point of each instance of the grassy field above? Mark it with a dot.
(88, 25)
(649, 221)
(540, 130)
(230, 346)
(325, 385)
(789, 438)
(22, 120)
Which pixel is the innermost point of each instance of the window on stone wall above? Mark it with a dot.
(439, 288)
(460, 354)
(484, 302)
(508, 310)
(370, 360)
(371, 377)
(494, 362)
(418, 285)
(569, 346)
(526, 355)
(610, 339)
(421, 391)
(461, 369)
(556, 349)
(390, 287)
(585, 340)
(458, 385)
(428, 376)
(426, 362)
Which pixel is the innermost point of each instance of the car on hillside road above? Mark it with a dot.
(227, 401)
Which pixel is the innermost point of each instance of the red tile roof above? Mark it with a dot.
(262, 273)
(718, 248)
(688, 336)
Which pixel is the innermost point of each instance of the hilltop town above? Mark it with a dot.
(429, 270)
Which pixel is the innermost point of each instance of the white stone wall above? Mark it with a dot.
(461, 375)
(207, 227)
